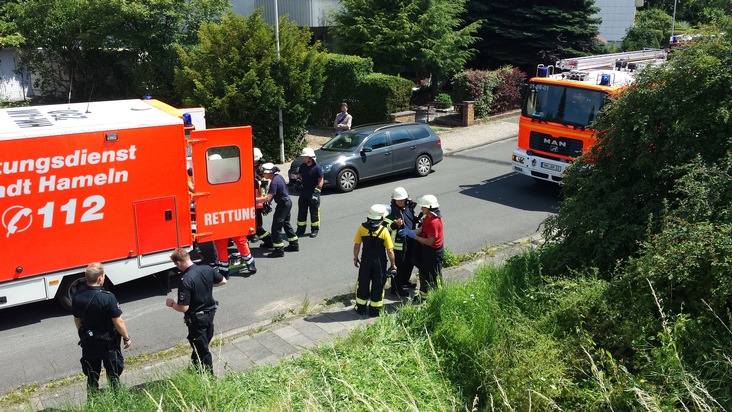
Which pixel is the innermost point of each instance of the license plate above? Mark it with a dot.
(550, 166)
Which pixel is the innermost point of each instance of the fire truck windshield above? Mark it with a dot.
(572, 106)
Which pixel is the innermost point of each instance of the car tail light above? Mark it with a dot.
(439, 141)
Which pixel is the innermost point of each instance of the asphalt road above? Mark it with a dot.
(482, 201)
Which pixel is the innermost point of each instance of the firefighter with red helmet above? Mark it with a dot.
(377, 246)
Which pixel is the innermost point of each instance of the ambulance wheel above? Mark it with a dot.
(347, 180)
(69, 286)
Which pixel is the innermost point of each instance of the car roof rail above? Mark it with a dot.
(373, 124)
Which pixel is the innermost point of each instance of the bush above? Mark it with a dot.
(492, 91)
(508, 92)
(342, 76)
(378, 96)
(444, 99)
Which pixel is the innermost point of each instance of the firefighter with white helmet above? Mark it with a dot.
(431, 238)
(400, 217)
(281, 219)
(377, 246)
(310, 178)
(260, 189)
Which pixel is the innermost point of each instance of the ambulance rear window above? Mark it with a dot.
(222, 164)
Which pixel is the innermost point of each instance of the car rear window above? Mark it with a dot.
(418, 132)
(399, 135)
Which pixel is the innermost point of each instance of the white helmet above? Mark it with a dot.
(268, 168)
(257, 154)
(309, 152)
(428, 201)
(400, 193)
(215, 156)
(377, 212)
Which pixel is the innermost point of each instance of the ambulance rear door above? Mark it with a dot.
(223, 178)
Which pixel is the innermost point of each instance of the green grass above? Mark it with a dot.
(510, 338)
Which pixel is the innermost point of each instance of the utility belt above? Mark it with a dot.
(201, 317)
(90, 337)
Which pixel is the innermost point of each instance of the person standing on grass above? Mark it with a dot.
(431, 236)
(99, 323)
(196, 301)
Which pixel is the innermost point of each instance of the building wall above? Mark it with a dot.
(13, 87)
(617, 16)
(310, 13)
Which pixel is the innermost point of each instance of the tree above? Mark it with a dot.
(525, 33)
(101, 49)
(236, 75)
(651, 28)
(617, 195)
(693, 11)
(413, 38)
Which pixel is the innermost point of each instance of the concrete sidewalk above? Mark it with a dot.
(267, 342)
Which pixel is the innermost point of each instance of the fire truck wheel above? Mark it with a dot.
(423, 166)
(68, 288)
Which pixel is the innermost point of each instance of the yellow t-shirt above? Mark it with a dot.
(383, 234)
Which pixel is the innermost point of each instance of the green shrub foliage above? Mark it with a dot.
(378, 96)
(342, 74)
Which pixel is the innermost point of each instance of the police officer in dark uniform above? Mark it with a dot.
(196, 301)
(377, 246)
(281, 219)
(99, 322)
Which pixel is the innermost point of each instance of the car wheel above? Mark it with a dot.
(423, 166)
(347, 180)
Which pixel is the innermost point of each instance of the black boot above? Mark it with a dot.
(300, 232)
(292, 247)
(277, 253)
(252, 268)
(267, 243)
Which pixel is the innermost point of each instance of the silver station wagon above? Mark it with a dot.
(375, 150)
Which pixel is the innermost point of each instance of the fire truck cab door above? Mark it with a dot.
(223, 180)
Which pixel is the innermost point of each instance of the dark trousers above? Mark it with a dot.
(371, 281)
(281, 220)
(430, 268)
(405, 266)
(92, 359)
(200, 334)
(259, 219)
(303, 207)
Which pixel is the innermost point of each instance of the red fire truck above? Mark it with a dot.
(108, 182)
(558, 109)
